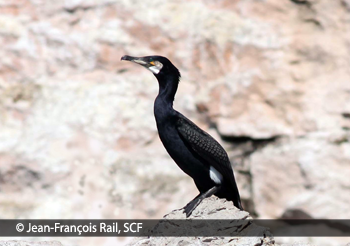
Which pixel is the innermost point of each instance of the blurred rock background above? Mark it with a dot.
(270, 79)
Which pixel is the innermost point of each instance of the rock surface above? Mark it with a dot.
(268, 79)
(211, 209)
(214, 209)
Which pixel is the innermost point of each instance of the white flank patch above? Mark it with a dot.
(155, 69)
(215, 175)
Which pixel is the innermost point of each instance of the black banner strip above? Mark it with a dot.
(175, 228)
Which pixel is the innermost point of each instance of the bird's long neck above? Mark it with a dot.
(163, 106)
(167, 90)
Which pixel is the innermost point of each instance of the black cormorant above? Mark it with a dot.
(194, 151)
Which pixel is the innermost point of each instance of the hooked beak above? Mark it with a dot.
(137, 60)
(153, 66)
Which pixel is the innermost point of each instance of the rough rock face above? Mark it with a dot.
(211, 209)
(269, 79)
(214, 209)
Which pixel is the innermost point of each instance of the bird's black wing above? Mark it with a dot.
(205, 146)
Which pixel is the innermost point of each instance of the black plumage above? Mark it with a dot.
(194, 151)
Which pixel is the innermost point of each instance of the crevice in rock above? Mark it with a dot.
(317, 23)
(247, 144)
(19, 177)
(346, 4)
(74, 9)
(346, 115)
(301, 2)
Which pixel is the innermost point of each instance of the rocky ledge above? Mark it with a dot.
(213, 209)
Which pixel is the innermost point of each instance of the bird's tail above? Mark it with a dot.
(233, 193)
(235, 196)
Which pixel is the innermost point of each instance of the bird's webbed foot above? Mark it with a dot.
(191, 206)
(188, 209)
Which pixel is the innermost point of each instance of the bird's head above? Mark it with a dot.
(160, 66)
